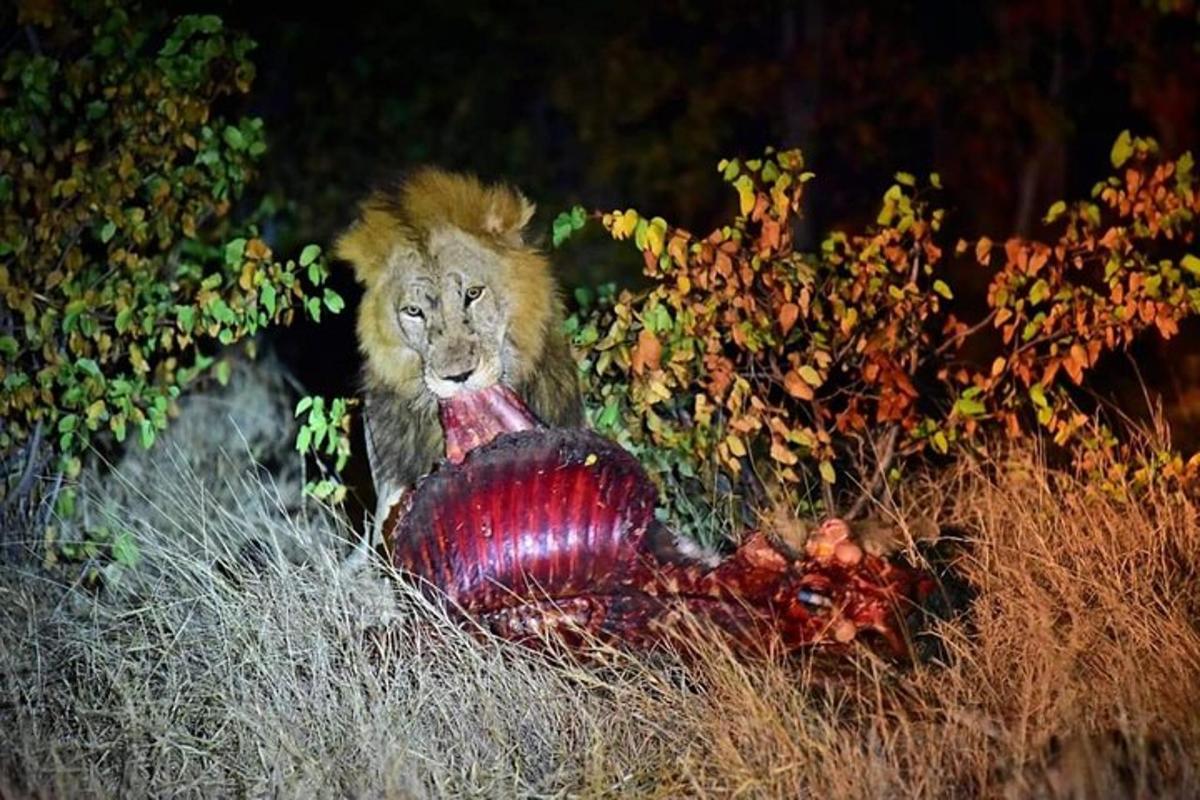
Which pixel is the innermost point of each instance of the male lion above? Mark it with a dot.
(454, 300)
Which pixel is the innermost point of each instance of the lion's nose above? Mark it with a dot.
(461, 377)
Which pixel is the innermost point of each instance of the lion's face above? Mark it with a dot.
(448, 305)
(455, 299)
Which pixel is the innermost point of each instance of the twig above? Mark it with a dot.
(971, 331)
(883, 463)
(33, 447)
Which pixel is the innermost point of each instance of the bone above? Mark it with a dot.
(473, 419)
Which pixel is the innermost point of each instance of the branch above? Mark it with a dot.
(971, 331)
(883, 464)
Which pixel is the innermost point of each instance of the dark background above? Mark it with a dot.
(631, 104)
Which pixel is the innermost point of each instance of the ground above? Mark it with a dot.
(237, 658)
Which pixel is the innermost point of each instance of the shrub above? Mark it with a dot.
(832, 370)
(124, 265)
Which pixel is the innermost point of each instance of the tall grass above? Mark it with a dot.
(238, 659)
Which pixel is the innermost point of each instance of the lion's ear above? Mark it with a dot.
(507, 213)
(368, 242)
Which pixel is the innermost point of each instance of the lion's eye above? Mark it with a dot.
(412, 311)
(474, 293)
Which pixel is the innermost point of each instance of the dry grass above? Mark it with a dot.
(221, 667)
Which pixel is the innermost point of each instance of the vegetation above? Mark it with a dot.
(220, 667)
(200, 638)
(129, 252)
(833, 370)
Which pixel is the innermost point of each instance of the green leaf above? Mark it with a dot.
(234, 252)
(303, 439)
(146, 433)
(125, 550)
(1122, 149)
(333, 301)
(309, 254)
(117, 424)
(64, 506)
(639, 233)
(827, 472)
(608, 417)
(107, 231)
(561, 229)
(304, 405)
(969, 407)
(8, 346)
(939, 443)
(941, 288)
(68, 423)
(267, 295)
(1191, 263)
(124, 318)
(234, 138)
(222, 372)
(584, 296)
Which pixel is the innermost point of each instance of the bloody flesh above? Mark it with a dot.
(533, 531)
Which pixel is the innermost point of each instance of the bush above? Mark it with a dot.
(124, 263)
(830, 371)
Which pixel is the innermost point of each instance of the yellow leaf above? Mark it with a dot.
(736, 446)
(810, 376)
(246, 280)
(849, 320)
(1122, 149)
(745, 189)
(94, 412)
(827, 473)
(656, 235)
(624, 224)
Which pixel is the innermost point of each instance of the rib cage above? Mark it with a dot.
(553, 531)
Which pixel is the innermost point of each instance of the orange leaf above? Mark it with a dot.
(983, 250)
(1015, 253)
(647, 353)
(771, 234)
(1074, 363)
(257, 249)
(1038, 261)
(782, 453)
(796, 386)
(788, 315)
(677, 249)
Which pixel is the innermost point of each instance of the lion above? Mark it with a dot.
(454, 300)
